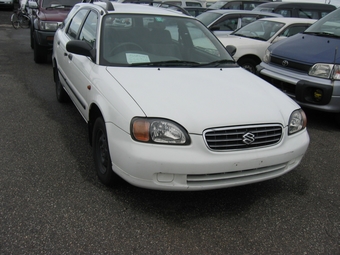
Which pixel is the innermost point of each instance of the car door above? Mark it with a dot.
(78, 68)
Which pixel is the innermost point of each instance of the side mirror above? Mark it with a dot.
(32, 5)
(231, 49)
(81, 48)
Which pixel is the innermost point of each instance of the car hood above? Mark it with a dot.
(239, 41)
(308, 49)
(204, 98)
(54, 14)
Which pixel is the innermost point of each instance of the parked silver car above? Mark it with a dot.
(222, 22)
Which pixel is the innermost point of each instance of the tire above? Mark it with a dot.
(25, 22)
(40, 53)
(248, 64)
(101, 153)
(31, 37)
(61, 94)
(15, 21)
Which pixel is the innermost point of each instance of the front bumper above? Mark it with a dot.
(310, 92)
(195, 167)
(44, 38)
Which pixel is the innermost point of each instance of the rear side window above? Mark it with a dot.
(174, 3)
(247, 20)
(250, 6)
(226, 24)
(295, 29)
(284, 13)
(323, 14)
(308, 14)
(193, 4)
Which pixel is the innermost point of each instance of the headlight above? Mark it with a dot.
(297, 121)
(327, 71)
(154, 130)
(266, 57)
(46, 25)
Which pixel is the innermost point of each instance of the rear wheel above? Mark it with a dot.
(15, 21)
(101, 153)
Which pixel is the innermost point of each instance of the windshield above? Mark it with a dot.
(329, 24)
(260, 30)
(208, 17)
(159, 40)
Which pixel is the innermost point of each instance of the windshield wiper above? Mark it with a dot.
(186, 63)
(251, 37)
(219, 62)
(168, 63)
(325, 33)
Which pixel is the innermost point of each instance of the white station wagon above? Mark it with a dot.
(252, 40)
(166, 106)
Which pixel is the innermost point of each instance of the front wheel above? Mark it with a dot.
(25, 22)
(101, 153)
(40, 52)
(248, 64)
(15, 21)
(61, 94)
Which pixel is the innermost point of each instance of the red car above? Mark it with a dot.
(47, 16)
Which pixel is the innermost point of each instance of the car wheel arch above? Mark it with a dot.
(94, 113)
(255, 60)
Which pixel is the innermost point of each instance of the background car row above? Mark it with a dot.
(248, 42)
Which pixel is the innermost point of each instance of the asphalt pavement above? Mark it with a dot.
(51, 201)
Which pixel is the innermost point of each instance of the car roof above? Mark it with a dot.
(228, 11)
(227, 1)
(135, 9)
(183, 1)
(290, 20)
(294, 4)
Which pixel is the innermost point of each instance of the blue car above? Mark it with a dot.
(306, 66)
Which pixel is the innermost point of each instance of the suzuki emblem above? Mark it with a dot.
(248, 138)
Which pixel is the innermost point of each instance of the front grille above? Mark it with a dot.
(242, 137)
(297, 66)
